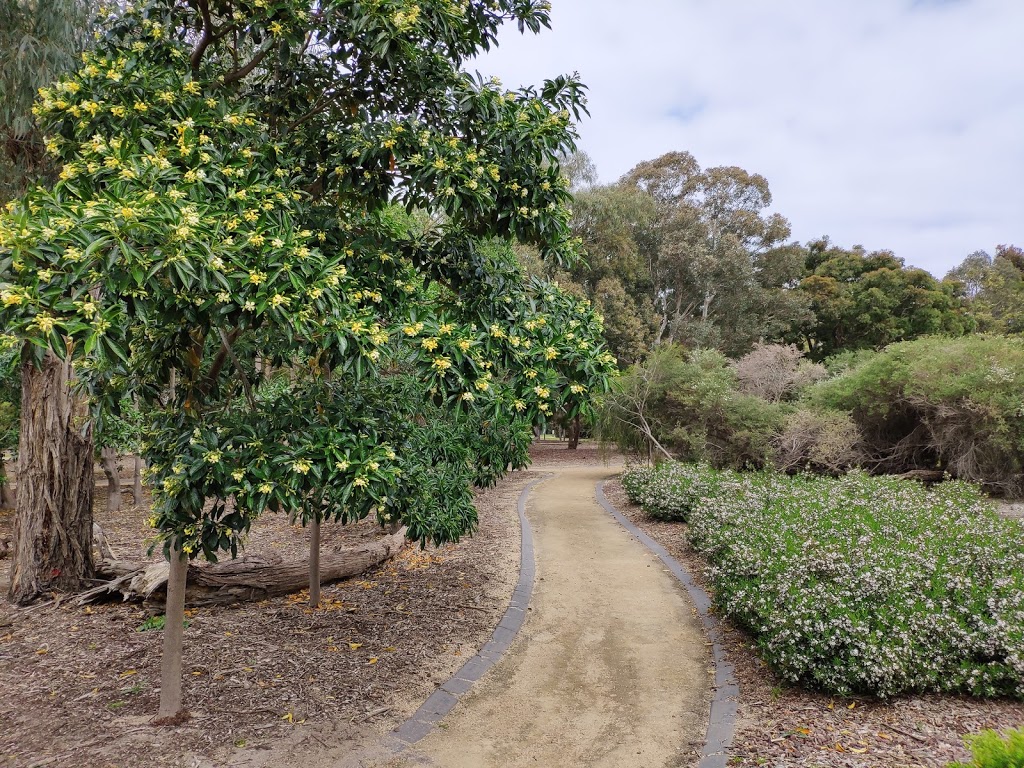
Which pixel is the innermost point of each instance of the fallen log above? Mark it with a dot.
(236, 581)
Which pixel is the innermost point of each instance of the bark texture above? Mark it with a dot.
(174, 618)
(108, 460)
(137, 495)
(52, 547)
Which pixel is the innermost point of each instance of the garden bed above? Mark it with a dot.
(784, 724)
(267, 683)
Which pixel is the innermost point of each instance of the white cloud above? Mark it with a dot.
(891, 124)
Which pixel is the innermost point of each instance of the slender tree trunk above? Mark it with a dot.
(7, 498)
(314, 561)
(174, 627)
(108, 459)
(137, 497)
(574, 433)
(53, 520)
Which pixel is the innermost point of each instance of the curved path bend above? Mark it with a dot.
(610, 668)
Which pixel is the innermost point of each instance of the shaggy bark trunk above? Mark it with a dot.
(574, 433)
(174, 626)
(53, 520)
(108, 459)
(137, 497)
(314, 562)
(235, 581)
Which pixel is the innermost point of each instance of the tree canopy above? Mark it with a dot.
(250, 185)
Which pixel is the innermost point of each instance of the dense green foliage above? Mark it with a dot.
(991, 750)
(993, 287)
(949, 404)
(690, 406)
(859, 585)
(39, 41)
(864, 300)
(327, 194)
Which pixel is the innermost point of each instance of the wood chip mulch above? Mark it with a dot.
(781, 725)
(78, 686)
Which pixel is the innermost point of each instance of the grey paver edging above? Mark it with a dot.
(443, 700)
(726, 690)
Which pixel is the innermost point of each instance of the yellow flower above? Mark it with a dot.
(542, 392)
(373, 466)
(257, 277)
(11, 298)
(577, 389)
(465, 344)
(301, 466)
(45, 322)
(531, 374)
(550, 353)
(519, 405)
(442, 363)
(429, 344)
(266, 487)
(212, 457)
(191, 87)
(482, 384)
(360, 482)
(468, 397)
(446, 328)
(342, 465)
(238, 474)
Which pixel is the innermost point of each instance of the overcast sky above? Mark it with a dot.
(895, 124)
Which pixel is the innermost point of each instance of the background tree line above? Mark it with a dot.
(689, 255)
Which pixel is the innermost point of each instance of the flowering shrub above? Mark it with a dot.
(863, 584)
(671, 490)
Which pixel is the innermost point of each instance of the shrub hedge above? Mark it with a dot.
(858, 585)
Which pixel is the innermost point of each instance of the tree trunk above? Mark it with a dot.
(574, 433)
(53, 519)
(245, 579)
(108, 459)
(314, 562)
(7, 498)
(137, 496)
(174, 626)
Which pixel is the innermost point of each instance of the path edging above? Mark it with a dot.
(443, 700)
(725, 690)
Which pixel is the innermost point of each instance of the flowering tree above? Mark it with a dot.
(319, 189)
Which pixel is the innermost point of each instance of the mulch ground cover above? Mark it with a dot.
(79, 684)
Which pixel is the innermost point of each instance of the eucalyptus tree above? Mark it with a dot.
(231, 174)
(719, 263)
(39, 41)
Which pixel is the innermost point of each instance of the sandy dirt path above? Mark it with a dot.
(611, 667)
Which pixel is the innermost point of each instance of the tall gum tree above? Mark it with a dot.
(40, 40)
(232, 177)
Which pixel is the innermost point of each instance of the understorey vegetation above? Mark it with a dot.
(932, 407)
(858, 584)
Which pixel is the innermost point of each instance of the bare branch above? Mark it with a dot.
(238, 366)
(208, 36)
(238, 74)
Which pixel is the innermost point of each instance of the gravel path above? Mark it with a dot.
(611, 667)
